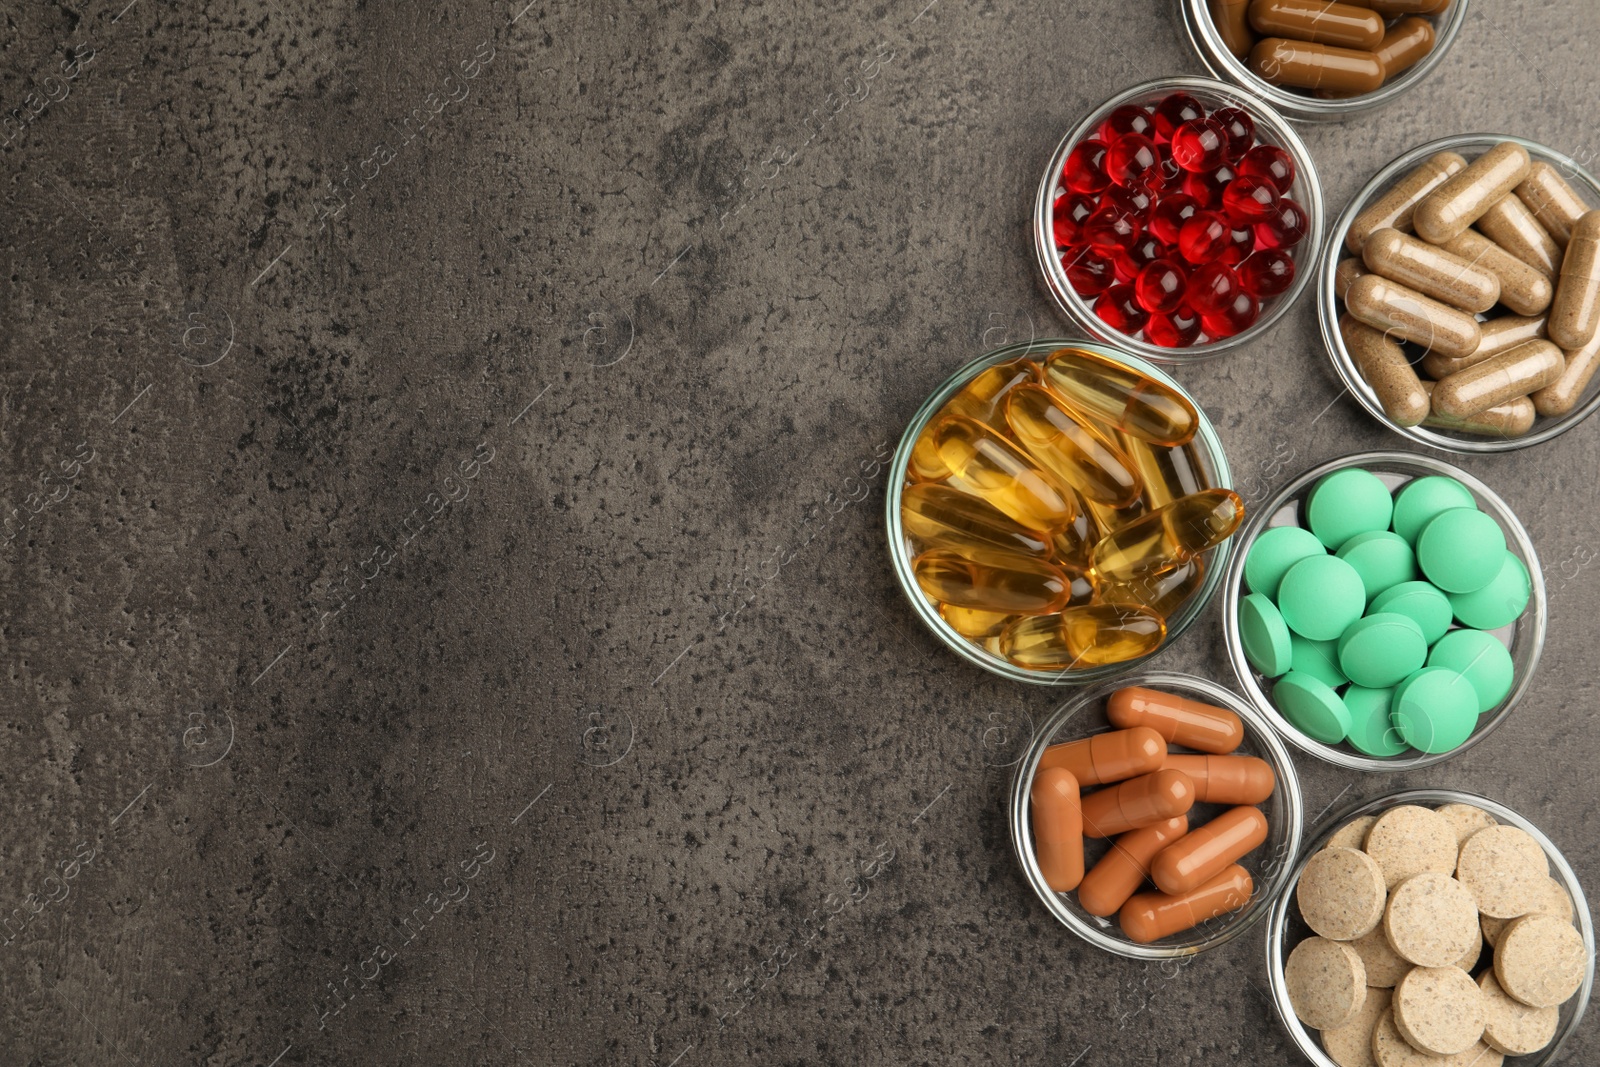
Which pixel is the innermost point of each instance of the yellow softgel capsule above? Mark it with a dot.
(1025, 586)
(1166, 473)
(1121, 397)
(975, 623)
(980, 399)
(1162, 593)
(1091, 635)
(986, 465)
(1168, 535)
(1073, 544)
(937, 516)
(1084, 458)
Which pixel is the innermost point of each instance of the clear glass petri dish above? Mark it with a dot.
(1330, 307)
(1524, 638)
(1208, 449)
(1269, 865)
(1285, 928)
(1270, 129)
(1301, 106)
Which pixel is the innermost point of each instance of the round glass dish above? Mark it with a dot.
(1207, 449)
(1302, 106)
(1270, 129)
(1269, 865)
(1330, 307)
(1284, 931)
(1524, 638)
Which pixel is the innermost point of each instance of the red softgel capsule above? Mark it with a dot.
(1119, 309)
(1269, 162)
(1085, 169)
(1177, 330)
(1136, 200)
(1241, 242)
(1211, 288)
(1203, 237)
(1088, 272)
(1239, 128)
(1286, 228)
(1207, 186)
(1174, 111)
(1130, 261)
(1130, 158)
(1171, 212)
(1234, 317)
(1112, 227)
(1247, 201)
(1199, 145)
(1161, 286)
(1070, 213)
(1129, 118)
(1266, 273)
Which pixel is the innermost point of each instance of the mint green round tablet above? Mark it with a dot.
(1479, 658)
(1383, 559)
(1371, 731)
(1500, 602)
(1273, 552)
(1346, 503)
(1320, 596)
(1461, 550)
(1320, 659)
(1264, 635)
(1421, 602)
(1312, 707)
(1435, 709)
(1382, 650)
(1419, 500)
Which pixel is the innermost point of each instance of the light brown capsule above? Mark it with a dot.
(1499, 335)
(1128, 805)
(1202, 727)
(1395, 208)
(1122, 870)
(1349, 270)
(1512, 419)
(1404, 46)
(1203, 853)
(1523, 288)
(1148, 917)
(1531, 365)
(1232, 19)
(1575, 311)
(1391, 8)
(1553, 202)
(1319, 22)
(1509, 224)
(1113, 756)
(1563, 394)
(1385, 367)
(1279, 61)
(1057, 829)
(1430, 270)
(1226, 779)
(1405, 313)
(1459, 202)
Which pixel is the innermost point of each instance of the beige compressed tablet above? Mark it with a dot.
(1392, 1050)
(1540, 960)
(1510, 1026)
(1384, 965)
(1326, 982)
(1505, 868)
(1350, 1045)
(1553, 900)
(1341, 893)
(1431, 920)
(1409, 840)
(1439, 1010)
(1352, 834)
(1469, 959)
(1466, 819)
(1479, 1055)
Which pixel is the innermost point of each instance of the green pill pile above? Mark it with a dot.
(1374, 618)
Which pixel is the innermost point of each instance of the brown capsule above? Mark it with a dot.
(1563, 394)
(1500, 334)
(1404, 46)
(1405, 313)
(1391, 8)
(1114, 756)
(1523, 288)
(1137, 802)
(1348, 271)
(1385, 367)
(1279, 61)
(1575, 311)
(1319, 22)
(1459, 202)
(1232, 19)
(1226, 779)
(1121, 871)
(1057, 828)
(1181, 721)
(1530, 366)
(1430, 270)
(1512, 419)
(1207, 851)
(1553, 202)
(1148, 917)
(1395, 208)
(1509, 224)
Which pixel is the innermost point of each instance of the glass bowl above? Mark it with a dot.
(1524, 637)
(1269, 865)
(1270, 129)
(1329, 306)
(1297, 104)
(1207, 449)
(1284, 931)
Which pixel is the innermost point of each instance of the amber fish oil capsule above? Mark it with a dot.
(1405, 313)
(988, 466)
(1395, 208)
(1124, 868)
(1169, 535)
(1084, 458)
(1345, 71)
(1121, 398)
(1026, 586)
(1459, 202)
(1086, 635)
(1430, 270)
(1575, 312)
(941, 517)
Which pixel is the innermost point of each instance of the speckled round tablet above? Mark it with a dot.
(1350, 1045)
(1469, 959)
(1499, 603)
(1371, 730)
(1320, 659)
(1352, 834)
(1466, 819)
(1505, 869)
(1461, 550)
(1346, 503)
(1382, 650)
(1553, 900)
(1264, 635)
(1481, 659)
(1384, 965)
(1540, 961)
(1341, 893)
(1418, 501)
(1431, 920)
(1510, 1026)
(1325, 981)
(1273, 552)
(1422, 603)
(1439, 1010)
(1320, 596)
(1410, 840)
(1392, 1050)
(1382, 559)
(1435, 709)
(1312, 707)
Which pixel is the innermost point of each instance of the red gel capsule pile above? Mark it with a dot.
(1175, 224)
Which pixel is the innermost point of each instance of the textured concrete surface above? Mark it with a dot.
(456, 628)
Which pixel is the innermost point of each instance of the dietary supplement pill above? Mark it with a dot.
(1405, 313)
(1208, 850)
(1232, 19)
(1347, 271)
(1562, 395)
(1523, 288)
(1430, 270)
(986, 465)
(1395, 208)
(1384, 366)
(942, 517)
(1346, 503)
(1268, 644)
(1279, 61)
(1498, 335)
(1326, 982)
(1273, 552)
(1121, 398)
(1527, 368)
(1512, 226)
(1148, 917)
(1020, 585)
(1057, 828)
(1124, 868)
(1181, 721)
(1177, 531)
(1511, 419)
(1316, 21)
(1404, 45)
(1109, 757)
(1137, 802)
(1084, 458)
(1225, 779)
(1575, 311)
(1462, 199)
(1553, 202)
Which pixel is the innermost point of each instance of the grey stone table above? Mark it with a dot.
(456, 626)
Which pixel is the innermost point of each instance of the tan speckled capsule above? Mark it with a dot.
(1395, 207)
(1459, 202)
(1349, 270)
(1506, 420)
(1575, 311)
(1430, 270)
(1509, 224)
(1383, 364)
(1562, 395)
(1499, 335)
(1404, 46)
(1530, 366)
(1553, 202)
(1523, 288)
(1405, 313)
